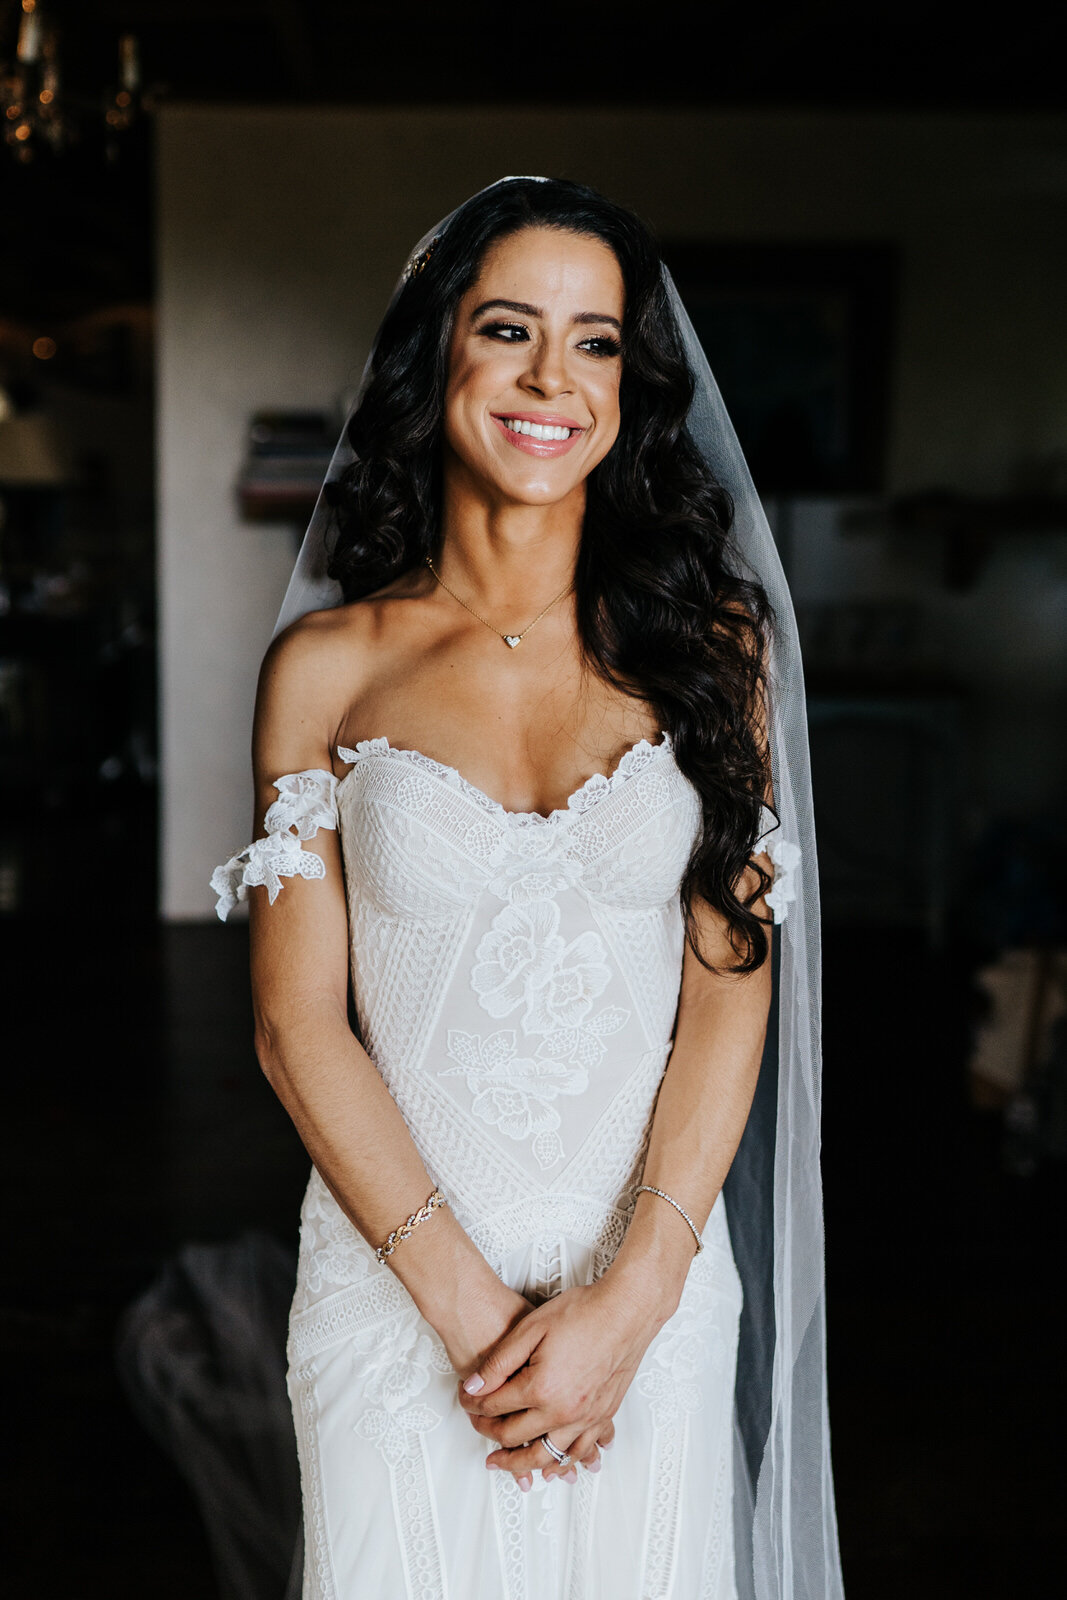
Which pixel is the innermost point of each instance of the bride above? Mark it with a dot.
(526, 769)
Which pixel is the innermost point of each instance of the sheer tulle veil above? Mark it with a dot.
(785, 1524)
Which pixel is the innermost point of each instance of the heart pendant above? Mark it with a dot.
(512, 639)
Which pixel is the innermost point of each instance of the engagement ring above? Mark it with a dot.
(557, 1455)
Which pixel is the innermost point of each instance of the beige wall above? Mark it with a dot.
(280, 234)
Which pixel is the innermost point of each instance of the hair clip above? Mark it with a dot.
(417, 263)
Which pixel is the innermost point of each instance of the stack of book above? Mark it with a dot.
(288, 454)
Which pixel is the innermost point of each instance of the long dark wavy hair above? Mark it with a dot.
(662, 612)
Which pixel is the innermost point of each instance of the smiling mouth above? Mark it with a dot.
(547, 431)
(555, 436)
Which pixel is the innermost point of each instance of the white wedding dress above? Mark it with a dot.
(516, 980)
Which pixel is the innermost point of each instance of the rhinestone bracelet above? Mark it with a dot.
(650, 1188)
(406, 1229)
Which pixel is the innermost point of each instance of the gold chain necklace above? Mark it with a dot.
(510, 639)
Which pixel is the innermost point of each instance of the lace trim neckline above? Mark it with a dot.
(589, 793)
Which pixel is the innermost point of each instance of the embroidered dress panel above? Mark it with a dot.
(516, 980)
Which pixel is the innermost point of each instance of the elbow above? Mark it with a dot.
(292, 1030)
(268, 1053)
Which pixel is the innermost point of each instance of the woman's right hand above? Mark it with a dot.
(489, 1311)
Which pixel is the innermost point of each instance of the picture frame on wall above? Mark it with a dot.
(800, 338)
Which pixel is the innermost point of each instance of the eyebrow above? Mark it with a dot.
(583, 318)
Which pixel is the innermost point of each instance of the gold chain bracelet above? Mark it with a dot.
(406, 1229)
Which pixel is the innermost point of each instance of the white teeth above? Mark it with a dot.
(536, 430)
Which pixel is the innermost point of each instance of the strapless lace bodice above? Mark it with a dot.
(513, 972)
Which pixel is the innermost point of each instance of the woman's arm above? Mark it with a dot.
(350, 1124)
(701, 1111)
(706, 1094)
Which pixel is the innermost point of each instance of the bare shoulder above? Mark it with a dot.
(323, 665)
(310, 676)
(307, 656)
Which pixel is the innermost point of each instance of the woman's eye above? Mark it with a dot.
(509, 332)
(602, 345)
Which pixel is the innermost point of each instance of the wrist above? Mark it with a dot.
(645, 1296)
(443, 1270)
(652, 1263)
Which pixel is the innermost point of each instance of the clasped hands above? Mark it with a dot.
(562, 1369)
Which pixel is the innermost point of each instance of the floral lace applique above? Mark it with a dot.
(395, 1432)
(393, 1366)
(524, 961)
(333, 1254)
(306, 802)
(515, 1093)
(692, 1344)
(785, 856)
(531, 867)
(395, 1362)
(395, 1420)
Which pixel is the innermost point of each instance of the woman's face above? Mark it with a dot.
(532, 401)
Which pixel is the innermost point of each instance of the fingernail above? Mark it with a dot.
(473, 1384)
(571, 1475)
(594, 1466)
(607, 1444)
(525, 1484)
(492, 1466)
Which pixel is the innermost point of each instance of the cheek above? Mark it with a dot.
(462, 402)
(609, 414)
(471, 387)
(462, 382)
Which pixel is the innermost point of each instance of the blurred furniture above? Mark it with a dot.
(1026, 991)
(288, 455)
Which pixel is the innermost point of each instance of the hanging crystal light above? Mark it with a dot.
(124, 104)
(33, 109)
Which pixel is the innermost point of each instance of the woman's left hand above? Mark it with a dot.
(562, 1370)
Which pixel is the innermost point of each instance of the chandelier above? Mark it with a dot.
(35, 111)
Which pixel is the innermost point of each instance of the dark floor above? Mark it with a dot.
(138, 1120)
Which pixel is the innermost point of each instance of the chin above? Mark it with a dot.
(536, 488)
(520, 481)
(540, 494)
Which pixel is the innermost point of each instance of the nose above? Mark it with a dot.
(547, 373)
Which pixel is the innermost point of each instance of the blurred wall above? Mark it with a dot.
(281, 233)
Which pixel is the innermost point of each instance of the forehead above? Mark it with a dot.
(541, 265)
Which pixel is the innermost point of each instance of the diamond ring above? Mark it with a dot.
(557, 1455)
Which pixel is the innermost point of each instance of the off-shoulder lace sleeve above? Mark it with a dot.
(307, 801)
(785, 856)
